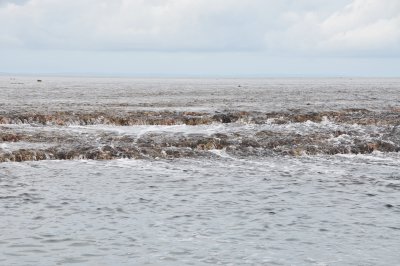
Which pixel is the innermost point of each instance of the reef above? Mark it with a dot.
(69, 135)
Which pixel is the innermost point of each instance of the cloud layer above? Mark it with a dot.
(343, 27)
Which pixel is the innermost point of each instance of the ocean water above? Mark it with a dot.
(102, 171)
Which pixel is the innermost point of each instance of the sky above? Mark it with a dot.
(232, 38)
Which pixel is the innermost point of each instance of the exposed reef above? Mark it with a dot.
(68, 135)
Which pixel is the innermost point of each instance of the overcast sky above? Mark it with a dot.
(201, 37)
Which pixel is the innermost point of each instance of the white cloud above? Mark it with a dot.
(136, 24)
(286, 26)
(365, 25)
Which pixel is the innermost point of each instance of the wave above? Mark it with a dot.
(236, 134)
(349, 116)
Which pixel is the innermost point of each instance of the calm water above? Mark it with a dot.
(199, 172)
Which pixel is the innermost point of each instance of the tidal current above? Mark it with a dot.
(101, 171)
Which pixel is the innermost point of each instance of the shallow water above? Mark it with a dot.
(277, 211)
(199, 172)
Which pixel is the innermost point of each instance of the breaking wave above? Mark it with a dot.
(348, 116)
(167, 134)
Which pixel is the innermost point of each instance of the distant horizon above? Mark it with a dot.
(187, 76)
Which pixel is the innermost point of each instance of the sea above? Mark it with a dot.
(129, 171)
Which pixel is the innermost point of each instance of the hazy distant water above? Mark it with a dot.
(199, 172)
(272, 95)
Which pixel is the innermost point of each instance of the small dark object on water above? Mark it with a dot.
(223, 118)
(388, 205)
(39, 80)
(239, 86)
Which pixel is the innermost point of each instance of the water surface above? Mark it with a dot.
(199, 172)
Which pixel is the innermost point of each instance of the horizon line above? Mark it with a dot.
(185, 76)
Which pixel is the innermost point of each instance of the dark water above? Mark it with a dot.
(199, 172)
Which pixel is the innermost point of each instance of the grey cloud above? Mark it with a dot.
(276, 27)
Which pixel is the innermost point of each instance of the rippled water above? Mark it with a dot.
(199, 172)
